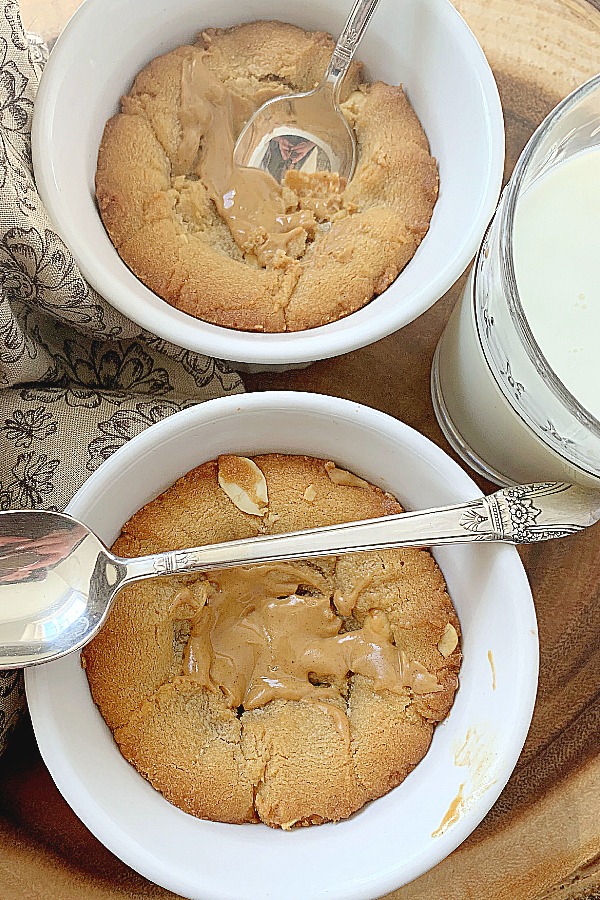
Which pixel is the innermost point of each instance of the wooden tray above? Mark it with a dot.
(542, 838)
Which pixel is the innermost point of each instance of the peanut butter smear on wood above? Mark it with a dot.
(249, 200)
(269, 632)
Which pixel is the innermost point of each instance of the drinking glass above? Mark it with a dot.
(497, 399)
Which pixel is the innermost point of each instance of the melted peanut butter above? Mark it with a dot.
(345, 603)
(490, 657)
(453, 813)
(340, 719)
(269, 633)
(249, 200)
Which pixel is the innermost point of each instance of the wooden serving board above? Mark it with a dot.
(542, 838)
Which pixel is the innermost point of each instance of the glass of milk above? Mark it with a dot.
(516, 374)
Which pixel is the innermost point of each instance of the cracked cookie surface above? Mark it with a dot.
(164, 222)
(350, 738)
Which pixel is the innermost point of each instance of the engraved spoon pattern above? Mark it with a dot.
(308, 130)
(58, 580)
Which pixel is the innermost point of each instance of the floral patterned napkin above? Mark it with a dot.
(77, 379)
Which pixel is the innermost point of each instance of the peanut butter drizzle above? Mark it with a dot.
(453, 813)
(257, 639)
(340, 719)
(249, 200)
(345, 603)
(490, 657)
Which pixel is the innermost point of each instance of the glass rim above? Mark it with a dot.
(507, 269)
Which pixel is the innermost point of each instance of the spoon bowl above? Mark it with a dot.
(58, 580)
(304, 131)
(56, 584)
(308, 130)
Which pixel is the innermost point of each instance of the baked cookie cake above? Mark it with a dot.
(288, 693)
(230, 245)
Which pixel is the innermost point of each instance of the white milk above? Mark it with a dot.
(556, 249)
(557, 263)
(465, 392)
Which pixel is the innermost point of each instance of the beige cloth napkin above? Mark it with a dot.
(77, 379)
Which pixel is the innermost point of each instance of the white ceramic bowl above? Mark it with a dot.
(422, 43)
(390, 841)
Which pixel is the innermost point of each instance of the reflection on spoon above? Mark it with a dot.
(277, 154)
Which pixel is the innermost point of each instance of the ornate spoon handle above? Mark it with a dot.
(521, 514)
(348, 41)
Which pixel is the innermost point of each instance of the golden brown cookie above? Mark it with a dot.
(191, 714)
(162, 216)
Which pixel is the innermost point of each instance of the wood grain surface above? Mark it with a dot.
(542, 838)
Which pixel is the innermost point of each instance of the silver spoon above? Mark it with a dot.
(308, 130)
(58, 580)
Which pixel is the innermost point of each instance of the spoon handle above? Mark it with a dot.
(522, 514)
(348, 42)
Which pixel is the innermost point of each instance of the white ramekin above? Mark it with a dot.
(423, 44)
(390, 841)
